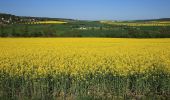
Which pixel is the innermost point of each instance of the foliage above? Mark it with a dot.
(83, 29)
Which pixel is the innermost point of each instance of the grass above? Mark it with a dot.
(92, 29)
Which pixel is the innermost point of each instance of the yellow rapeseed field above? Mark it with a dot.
(151, 23)
(38, 57)
(48, 22)
(69, 68)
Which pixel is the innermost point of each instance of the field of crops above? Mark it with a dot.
(48, 22)
(84, 68)
(133, 23)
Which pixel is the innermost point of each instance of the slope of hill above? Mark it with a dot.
(11, 19)
(24, 26)
(161, 19)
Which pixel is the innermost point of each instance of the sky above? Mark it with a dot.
(88, 9)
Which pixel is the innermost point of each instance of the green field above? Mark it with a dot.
(138, 23)
(87, 29)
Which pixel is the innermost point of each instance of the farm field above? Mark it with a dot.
(138, 23)
(84, 29)
(84, 68)
(48, 22)
(20, 26)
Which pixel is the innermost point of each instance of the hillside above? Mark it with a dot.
(146, 20)
(24, 26)
(13, 19)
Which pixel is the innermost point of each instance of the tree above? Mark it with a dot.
(101, 28)
(2, 34)
(13, 33)
(26, 30)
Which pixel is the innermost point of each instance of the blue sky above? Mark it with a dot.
(89, 9)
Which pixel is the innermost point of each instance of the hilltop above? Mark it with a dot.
(12, 19)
